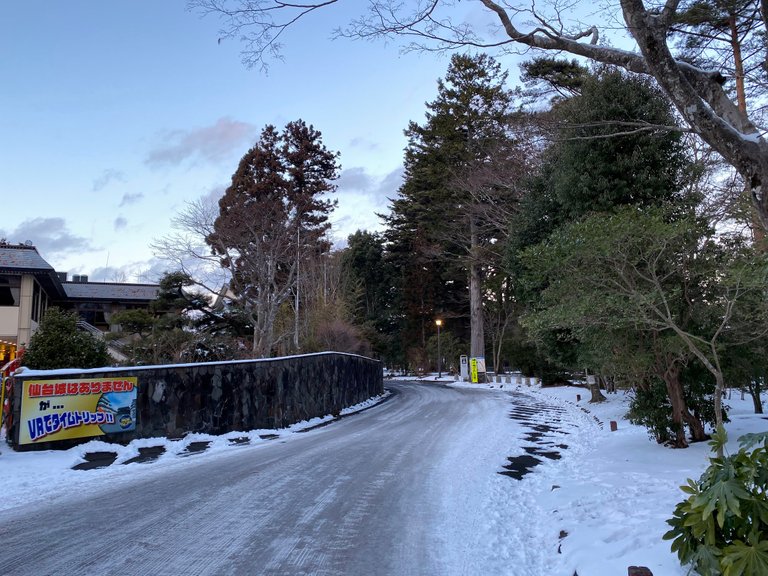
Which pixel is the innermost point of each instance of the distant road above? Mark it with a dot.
(398, 489)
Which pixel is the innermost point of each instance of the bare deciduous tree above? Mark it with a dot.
(698, 94)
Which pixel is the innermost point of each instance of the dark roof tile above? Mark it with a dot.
(109, 291)
(20, 257)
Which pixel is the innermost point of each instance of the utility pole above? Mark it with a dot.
(439, 357)
(298, 283)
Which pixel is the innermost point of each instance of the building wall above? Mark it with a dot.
(26, 325)
(232, 396)
(9, 322)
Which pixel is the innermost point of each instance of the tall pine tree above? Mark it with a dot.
(438, 230)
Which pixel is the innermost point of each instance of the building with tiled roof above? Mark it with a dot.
(29, 285)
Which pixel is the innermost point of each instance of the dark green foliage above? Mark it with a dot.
(366, 275)
(58, 343)
(650, 408)
(451, 348)
(724, 35)
(722, 527)
(553, 76)
(539, 213)
(466, 122)
(525, 356)
(180, 326)
(368, 278)
(173, 295)
(139, 321)
(369, 289)
(714, 16)
(555, 357)
(180, 304)
(746, 366)
(604, 155)
(650, 296)
(613, 148)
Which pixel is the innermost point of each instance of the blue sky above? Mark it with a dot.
(114, 113)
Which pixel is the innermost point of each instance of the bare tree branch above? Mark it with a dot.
(697, 94)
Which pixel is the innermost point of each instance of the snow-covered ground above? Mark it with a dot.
(614, 495)
(607, 498)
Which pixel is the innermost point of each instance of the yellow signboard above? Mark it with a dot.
(477, 366)
(66, 409)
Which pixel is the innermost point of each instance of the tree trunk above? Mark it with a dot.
(593, 384)
(496, 351)
(597, 396)
(675, 394)
(754, 391)
(296, 298)
(696, 426)
(703, 103)
(477, 334)
(718, 398)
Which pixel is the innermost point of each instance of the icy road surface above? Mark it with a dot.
(409, 487)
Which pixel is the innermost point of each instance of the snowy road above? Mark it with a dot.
(408, 487)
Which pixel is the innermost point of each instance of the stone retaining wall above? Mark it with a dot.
(229, 396)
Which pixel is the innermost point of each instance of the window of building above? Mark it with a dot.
(36, 307)
(10, 286)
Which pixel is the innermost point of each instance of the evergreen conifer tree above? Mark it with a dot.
(436, 228)
(273, 215)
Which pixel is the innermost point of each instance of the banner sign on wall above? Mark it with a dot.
(64, 409)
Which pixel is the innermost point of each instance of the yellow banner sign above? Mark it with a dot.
(66, 409)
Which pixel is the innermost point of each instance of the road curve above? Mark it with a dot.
(389, 491)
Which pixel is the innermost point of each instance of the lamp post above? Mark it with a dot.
(439, 359)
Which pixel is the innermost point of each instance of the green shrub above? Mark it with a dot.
(722, 527)
(650, 408)
(58, 343)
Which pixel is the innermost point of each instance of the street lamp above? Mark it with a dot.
(439, 366)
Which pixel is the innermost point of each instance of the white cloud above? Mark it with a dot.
(214, 194)
(209, 143)
(108, 176)
(364, 144)
(50, 236)
(355, 179)
(130, 199)
(362, 197)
